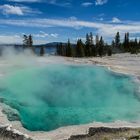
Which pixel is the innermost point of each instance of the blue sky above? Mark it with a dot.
(58, 20)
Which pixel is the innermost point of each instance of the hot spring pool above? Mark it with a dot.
(59, 95)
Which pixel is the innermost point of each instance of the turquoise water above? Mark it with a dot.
(59, 95)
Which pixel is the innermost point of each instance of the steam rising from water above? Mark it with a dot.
(12, 60)
(49, 94)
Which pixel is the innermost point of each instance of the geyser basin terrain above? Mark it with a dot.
(60, 95)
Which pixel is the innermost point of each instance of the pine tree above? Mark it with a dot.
(87, 39)
(113, 44)
(58, 49)
(94, 51)
(117, 40)
(136, 42)
(139, 45)
(91, 44)
(126, 42)
(136, 45)
(101, 47)
(42, 51)
(80, 49)
(87, 46)
(68, 49)
(91, 38)
(25, 41)
(109, 52)
(30, 42)
(97, 41)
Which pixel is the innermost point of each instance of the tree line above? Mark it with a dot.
(92, 47)
(98, 47)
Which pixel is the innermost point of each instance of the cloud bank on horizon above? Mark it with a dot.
(58, 20)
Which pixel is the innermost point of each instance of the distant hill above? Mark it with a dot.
(51, 45)
(20, 45)
(47, 45)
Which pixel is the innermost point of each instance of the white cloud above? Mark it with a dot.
(107, 29)
(12, 39)
(7, 9)
(39, 38)
(13, 10)
(52, 2)
(16, 39)
(101, 19)
(55, 35)
(87, 4)
(116, 20)
(100, 2)
(29, 1)
(43, 34)
(65, 3)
